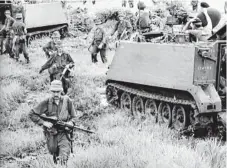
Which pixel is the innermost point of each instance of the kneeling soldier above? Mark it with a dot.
(61, 107)
(19, 40)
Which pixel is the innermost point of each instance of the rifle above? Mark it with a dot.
(61, 124)
(67, 68)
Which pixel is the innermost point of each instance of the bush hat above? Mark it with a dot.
(56, 85)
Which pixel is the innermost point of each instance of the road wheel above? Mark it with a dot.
(179, 117)
(151, 110)
(164, 114)
(138, 107)
(126, 102)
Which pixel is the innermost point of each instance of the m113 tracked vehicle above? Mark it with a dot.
(40, 18)
(173, 83)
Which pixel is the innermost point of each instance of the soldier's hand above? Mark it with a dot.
(100, 46)
(40, 71)
(70, 123)
(47, 124)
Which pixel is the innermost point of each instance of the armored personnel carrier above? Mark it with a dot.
(177, 84)
(40, 18)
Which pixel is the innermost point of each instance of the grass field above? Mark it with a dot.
(119, 141)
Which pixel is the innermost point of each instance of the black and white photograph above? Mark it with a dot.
(113, 83)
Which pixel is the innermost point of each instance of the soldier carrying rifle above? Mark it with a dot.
(122, 27)
(58, 140)
(59, 66)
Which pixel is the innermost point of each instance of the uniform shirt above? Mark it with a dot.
(42, 108)
(18, 28)
(121, 26)
(59, 61)
(99, 36)
(144, 20)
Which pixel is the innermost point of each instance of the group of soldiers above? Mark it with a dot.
(14, 30)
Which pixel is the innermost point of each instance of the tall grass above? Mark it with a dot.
(20, 142)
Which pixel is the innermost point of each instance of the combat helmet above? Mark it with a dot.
(141, 5)
(56, 34)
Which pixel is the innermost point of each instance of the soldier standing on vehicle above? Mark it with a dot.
(61, 107)
(143, 22)
(8, 33)
(50, 48)
(123, 27)
(59, 66)
(17, 7)
(19, 40)
(194, 4)
(131, 3)
(124, 3)
(98, 45)
(201, 33)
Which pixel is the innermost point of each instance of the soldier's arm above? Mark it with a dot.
(72, 111)
(70, 60)
(23, 14)
(25, 29)
(48, 64)
(103, 37)
(115, 28)
(41, 108)
(129, 26)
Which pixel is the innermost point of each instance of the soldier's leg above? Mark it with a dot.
(103, 55)
(25, 52)
(65, 84)
(94, 50)
(64, 146)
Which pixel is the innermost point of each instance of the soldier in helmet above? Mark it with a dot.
(194, 4)
(201, 33)
(19, 40)
(59, 66)
(61, 107)
(124, 3)
(7, 32)
(131, 3)
(17, 7)
(123, 27)
(143, 21)
(50, 48)
(98, 44)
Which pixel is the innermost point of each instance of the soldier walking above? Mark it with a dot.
(19, 40)
(8, 33)
(98, 45)
(123, 27)
(59, 66)
(61, 107)
(50, 48)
